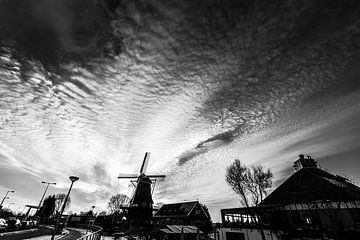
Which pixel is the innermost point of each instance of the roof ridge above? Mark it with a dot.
(180, 203)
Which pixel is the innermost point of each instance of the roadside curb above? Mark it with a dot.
(17, 232)
(62, 236)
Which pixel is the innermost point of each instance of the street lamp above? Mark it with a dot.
(47, 183)
(92, 210)
(89, 218)
(72, 179)
(10, 205)
(10, 191)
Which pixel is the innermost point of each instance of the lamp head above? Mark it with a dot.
(73, 178)
(12, 191)
(49, 182)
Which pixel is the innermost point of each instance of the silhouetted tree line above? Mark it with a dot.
(51, 206)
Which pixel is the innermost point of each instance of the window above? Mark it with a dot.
(241, 218)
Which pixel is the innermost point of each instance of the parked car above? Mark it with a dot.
(18, 223)
(11, 221)
(3, 224)
(28, 224)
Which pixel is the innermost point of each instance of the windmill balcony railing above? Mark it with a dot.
(93, 234)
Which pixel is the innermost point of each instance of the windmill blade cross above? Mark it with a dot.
(145, 163)
(156, 176)
(126, 175)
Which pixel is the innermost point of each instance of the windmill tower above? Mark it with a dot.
(140, 210)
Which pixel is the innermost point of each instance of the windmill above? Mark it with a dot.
(140, 209)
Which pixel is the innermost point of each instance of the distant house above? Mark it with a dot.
(185, 213)
(311, 203)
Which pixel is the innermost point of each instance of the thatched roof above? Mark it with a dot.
(313, 184)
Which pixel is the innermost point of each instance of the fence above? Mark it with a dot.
(95, 233)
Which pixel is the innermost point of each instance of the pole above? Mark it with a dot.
(87, 228)
(1, 204)
(61, 212)
(42, 198)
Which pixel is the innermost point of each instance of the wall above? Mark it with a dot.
(249, 234)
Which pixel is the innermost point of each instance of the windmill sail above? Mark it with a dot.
(127, 175)
(140, 209)
(145, 163)
(155, 176)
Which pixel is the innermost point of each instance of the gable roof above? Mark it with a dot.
(176, 209)
(178, 229)
(312, 184)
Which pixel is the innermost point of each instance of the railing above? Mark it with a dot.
(94, 235)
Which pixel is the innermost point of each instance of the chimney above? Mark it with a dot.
(303, 162)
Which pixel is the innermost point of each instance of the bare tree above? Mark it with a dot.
(116, 202)
(251, 184)
(261, 181)
(59, 201)
(237, 176)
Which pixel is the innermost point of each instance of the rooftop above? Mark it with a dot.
(313, 184)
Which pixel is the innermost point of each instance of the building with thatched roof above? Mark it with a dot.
(310, 203)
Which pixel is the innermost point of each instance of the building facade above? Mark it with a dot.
(311, 203)
(186, 213)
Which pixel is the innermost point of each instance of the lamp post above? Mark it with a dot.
(72, 179)
(10, 191)
(47, 186)
(92, 212)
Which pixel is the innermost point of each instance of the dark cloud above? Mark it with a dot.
(281, 61)
(208, 145)
(56, 30)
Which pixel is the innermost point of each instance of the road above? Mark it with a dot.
(27, 234)
(42, 234)
(73, 235)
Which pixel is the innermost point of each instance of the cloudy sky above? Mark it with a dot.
(87, 87)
